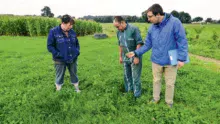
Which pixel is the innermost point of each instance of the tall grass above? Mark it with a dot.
(40, 26)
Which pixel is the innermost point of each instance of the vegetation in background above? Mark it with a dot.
(40, 26)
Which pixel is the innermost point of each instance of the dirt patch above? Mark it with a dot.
(209, 63)
(206, 59)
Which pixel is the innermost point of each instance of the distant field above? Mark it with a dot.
(206, 44)
(28, 93)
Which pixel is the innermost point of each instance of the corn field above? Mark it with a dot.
(40, 26)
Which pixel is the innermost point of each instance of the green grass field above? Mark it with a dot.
(28, 93)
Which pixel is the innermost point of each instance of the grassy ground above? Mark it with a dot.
(28, 93)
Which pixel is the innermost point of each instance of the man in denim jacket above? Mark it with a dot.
(165, 34)
(129, 39)
(64, 46)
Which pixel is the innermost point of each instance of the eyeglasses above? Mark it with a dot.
(150, 16)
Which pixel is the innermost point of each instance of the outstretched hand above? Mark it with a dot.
(130, 54)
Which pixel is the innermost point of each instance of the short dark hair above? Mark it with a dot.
(118, 19)
(66, 19)
(156, 9)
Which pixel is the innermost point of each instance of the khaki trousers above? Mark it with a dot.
(170, 73)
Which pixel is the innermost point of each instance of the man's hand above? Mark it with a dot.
(180, 64)
(120, 60)
(136, 60)
(130, 54)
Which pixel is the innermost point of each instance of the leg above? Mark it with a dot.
(72, 67)
(127, 77)
(136, 74)
(60, 71)
(157, 78)
(170, 78)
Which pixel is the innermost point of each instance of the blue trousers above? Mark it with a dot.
(132, 74)
(60, 68)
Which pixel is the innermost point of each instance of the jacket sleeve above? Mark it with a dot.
(51, 42)
(137, 36)
(147, 46)
(77, 45)
(182, 44)
(119, 42)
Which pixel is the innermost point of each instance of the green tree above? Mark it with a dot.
(46, 12)
(184, 17)
(175, 13)
(209, 20)
(197, 19)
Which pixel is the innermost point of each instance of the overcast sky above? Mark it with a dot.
(79, 8)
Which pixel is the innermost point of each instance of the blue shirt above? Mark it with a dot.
(63, 48)
(167, 35)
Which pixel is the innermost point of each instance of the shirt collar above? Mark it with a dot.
(165, 18)
(126, 25)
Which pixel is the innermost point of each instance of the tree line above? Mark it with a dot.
(184, 17)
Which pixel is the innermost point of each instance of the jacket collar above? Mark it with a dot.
(164, 21)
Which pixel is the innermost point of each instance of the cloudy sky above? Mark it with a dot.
(79, 8)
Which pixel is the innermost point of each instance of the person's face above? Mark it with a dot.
(118, 25)
(67, 27)
(152, 18)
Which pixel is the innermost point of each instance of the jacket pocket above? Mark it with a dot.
(131, 42)
(59, 39)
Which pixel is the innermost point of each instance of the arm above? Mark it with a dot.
(51, 44)
(120, 54)
(139, 42)
(138, 46)
(136, 59)
(141, 50)
(182, 44)
(77, 45)
(138, 38)
(120, 51)
(147, 46)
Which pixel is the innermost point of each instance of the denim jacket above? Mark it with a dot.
(63, 48)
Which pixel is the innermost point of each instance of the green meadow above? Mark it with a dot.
(28, 92)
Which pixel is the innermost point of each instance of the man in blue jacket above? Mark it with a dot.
(166, 33)
(64, 46)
